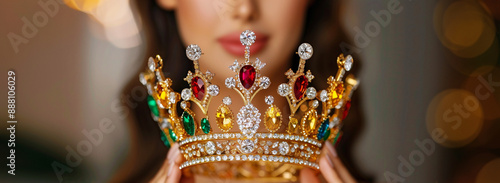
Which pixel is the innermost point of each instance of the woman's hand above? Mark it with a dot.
(330, 166)
(169, 171)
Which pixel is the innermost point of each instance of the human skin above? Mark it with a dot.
(212, 24)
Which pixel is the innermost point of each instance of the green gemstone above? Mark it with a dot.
(327, 134)
(188, 123)
(336, 139)
(172, 135)
(152, 106)
(205, 125)
(164, 139)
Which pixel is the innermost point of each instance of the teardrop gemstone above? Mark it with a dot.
(346, 109)
(300, 87)
(198, 87)
(272, 118)
(152, 106)
(205, 126)
(224, 118)
(323, 128)
(247, 76)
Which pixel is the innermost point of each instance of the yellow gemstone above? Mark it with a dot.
(224, 118)
(335, 93)
(309, 122)
(292, 125)
(272, 118)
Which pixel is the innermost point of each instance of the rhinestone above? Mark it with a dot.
(248, 120)
(231, 157)
(212, 158)
(275, 158)
(247, 146)
(186, 94)
(230, 82)
(348, 63)
(334, 122)
(142, 79)
(311, 93)
(299, 87)
(274, 152)
(226, 100)
(244, 157)
(237, 157)
(264, 82)
(315, 104)
(272, 118)
(305, 51)
(151, 64)
(264, 158)
(250, 157)
(210, 147)
(198, 87)
(224, 118)
(247, 76)
(286, 159)
(346, 109)
(257, 157)
(218, 158)
(193, 52)
(281, 158)
(271, 158)
(172, 97)
(224, 157)
(323, 95)
(213, 90)
(283, 89)
(283, 148)
(247, 37)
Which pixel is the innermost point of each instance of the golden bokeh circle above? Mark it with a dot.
(489, 173)
(457, 114)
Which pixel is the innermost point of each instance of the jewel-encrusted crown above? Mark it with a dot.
(315, 117)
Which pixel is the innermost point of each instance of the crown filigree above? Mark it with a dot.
(315, 116)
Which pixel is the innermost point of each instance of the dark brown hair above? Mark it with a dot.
(322, 30)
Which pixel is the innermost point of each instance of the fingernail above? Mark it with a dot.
(170, 169)
(330, 162)
(331, 149)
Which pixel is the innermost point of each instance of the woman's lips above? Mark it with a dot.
(231, 43)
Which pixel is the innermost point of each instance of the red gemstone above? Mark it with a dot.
(346, 110)
(198, 87)
(247, 76)
(300, 87)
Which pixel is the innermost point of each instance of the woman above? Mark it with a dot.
(215, 25)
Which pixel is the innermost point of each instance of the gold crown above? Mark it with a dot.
(248, 153)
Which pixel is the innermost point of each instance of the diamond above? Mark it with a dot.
(230, 82)
(269, 100)
(247, 76)
(300, 86)
(247, 37)
(234, 66)
(213, 90)
(186, 94)
(210, 147)
(264, 82)
(323, 95)
(311, 93)
(283, 89)
(142, 79)
(348, 63)
(259, 65)
(172, 97)
(198, 87)
(247, 146)
(315, 104)
(151, 64)
(193, 52)
(334, 122)
(226, 100)
(305, 51)
(184, 104)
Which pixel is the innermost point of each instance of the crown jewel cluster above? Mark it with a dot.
(315, 116)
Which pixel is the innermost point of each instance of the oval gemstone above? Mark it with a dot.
(198, 87)
(300, 87)
(205, 126)
(247, 76)
(188, 123)
(292, 125)
(336, 93)
(323, 128)
(272, 119)
(152, 105)
(224, 118)
(309, 124)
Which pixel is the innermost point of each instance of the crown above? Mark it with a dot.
(315, 117)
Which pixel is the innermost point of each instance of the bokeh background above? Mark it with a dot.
(430, 87)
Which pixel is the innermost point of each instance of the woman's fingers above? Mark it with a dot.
(327, 170)
(308, 175)
(337, 164)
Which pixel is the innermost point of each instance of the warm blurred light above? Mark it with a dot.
(120, 27)
(492, 6)
(455, 114)
(490, 173)
(479, 65)
(486, 87)
(464, 27)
